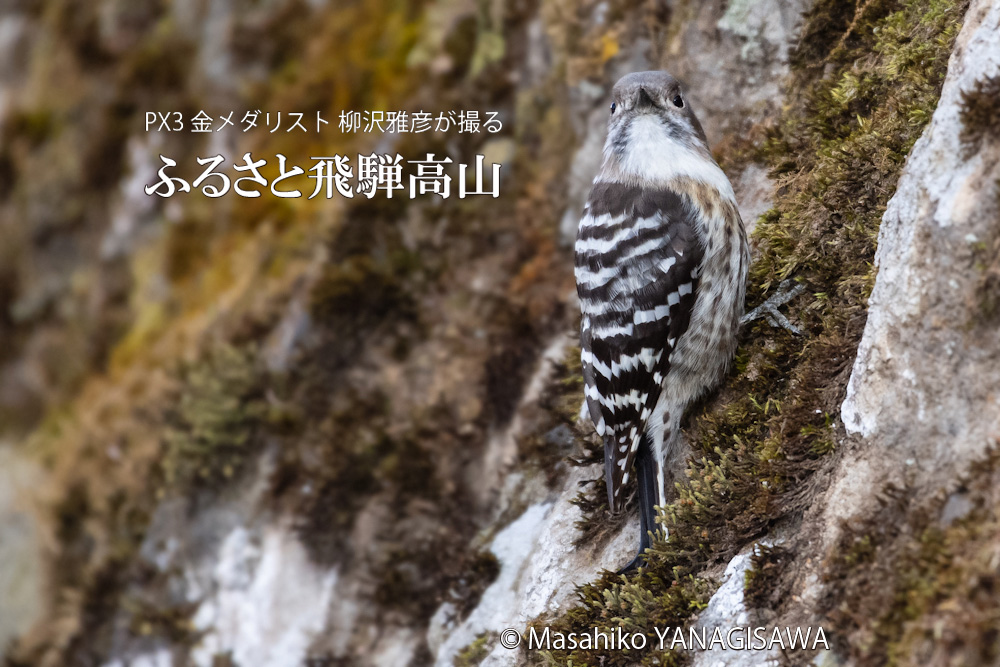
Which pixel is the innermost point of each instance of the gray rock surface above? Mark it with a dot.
(540, 566)
(923, 397)
(21, 576)
(727, 609)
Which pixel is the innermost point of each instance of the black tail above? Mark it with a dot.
(646, 473)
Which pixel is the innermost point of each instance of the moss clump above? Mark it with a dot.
(162, 63)
(719, 504)
(763, 586)
(367, 287)
(482, 570)
(553, 433)
(417, 577)
(185, 250)
(921, 589)
(840, 151)
(358, 293)
(987, 262)
(510, 366)
(476, 652)
(337, 490)
(980, 113)
(342, 456)
(566, 395)
(34, 127)
(214, 425)
(172, 623)
(636, 605)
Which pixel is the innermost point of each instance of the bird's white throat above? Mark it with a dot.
(655, 158)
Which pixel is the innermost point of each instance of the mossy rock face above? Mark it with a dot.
(633, 604)
(407, 288)
(764, 587)
(216, 423)
(905, 583)
(980, 114)
(916, 582)
(476, 652)
(357, 293)
(865, 82)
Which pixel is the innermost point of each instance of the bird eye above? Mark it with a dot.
(613, 106)
(678, 102)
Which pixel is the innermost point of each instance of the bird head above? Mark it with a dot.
(651, 127)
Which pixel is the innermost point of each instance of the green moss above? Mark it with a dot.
(986, 259)
(980, 115)
(214, 426)
(339, 488)
(476, 652)
(837, 153)
(509, 367)
(636, 605)
(338, 459)
(161, 63)
(482, 570)
(357, 292)
(763, 585)
(185, 249)
(414, 578)
(916, 583)
(723, 502)
(567, 395)
(34, 127)
(490, 43)
(840, 151)
(172, 623)
(553, 434)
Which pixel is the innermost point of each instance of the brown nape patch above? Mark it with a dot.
(981, 113)
(916, 583)
(701, 195)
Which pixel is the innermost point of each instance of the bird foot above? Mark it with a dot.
(787, 291)
(634, 564)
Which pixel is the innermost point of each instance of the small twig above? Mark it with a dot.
(858, 13)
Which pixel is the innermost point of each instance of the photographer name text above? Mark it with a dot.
(737, 638)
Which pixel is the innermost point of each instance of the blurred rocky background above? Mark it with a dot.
(270, 432)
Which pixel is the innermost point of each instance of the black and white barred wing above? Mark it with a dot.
(637, 259)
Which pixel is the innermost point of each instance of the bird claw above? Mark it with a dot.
(787, 291)
(633, 566)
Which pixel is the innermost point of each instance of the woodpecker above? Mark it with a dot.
(661, 267)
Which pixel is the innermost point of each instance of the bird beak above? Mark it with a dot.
(644, 98)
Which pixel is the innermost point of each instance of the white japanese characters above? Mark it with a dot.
(334, 175)
(351, 122)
